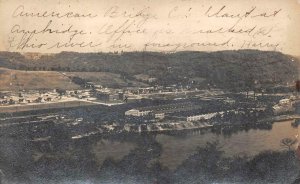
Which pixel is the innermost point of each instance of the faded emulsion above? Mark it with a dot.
(143, 92)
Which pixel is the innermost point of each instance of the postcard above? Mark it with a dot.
(149, 91)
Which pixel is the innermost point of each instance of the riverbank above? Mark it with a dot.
(219, 128)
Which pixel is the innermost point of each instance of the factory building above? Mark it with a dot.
(136, 112)
(202, 116)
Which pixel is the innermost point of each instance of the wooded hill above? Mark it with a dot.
(223, 69)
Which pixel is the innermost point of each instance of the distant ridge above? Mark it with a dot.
(224, 69)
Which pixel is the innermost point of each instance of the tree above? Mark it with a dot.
(61, 92)
(288, 143)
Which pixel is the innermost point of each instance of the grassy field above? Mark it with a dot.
(105, 79)
(11, 80)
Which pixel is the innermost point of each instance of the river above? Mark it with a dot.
(179, 146)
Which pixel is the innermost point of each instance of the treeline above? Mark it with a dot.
(243, 69)
(63, 161)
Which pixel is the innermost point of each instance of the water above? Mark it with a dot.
(64, 158)
(176, 148)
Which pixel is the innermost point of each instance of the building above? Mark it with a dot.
(103, 96)
(229, 101)
(284, 105)
(136, 112)
(159, 115)
(108, 96)
(202, 117)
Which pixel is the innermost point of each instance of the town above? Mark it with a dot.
(144, 109)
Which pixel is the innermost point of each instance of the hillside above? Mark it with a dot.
(12, 80)
(224, 69)
(106, 79)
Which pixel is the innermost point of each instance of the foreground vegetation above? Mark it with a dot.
(63, 161)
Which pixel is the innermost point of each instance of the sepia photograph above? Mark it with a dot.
(149, 92)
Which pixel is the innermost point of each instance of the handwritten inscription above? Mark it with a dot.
(21, 12)
(142, 27)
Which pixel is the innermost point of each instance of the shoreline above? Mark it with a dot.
(267, 122)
